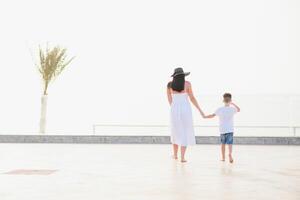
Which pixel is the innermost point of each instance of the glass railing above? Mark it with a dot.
(155, 130)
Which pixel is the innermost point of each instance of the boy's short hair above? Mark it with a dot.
(227, 97)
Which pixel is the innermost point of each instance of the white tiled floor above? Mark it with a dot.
(142, 172)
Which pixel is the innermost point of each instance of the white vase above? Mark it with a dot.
(43, 114)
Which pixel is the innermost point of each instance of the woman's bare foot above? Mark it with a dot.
(175, 157)
(230, 159)
(222, 160)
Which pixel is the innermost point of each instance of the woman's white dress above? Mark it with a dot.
(182, 130)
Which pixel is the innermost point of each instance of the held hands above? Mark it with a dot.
(202, 113)
(209, 116)
(206, 116)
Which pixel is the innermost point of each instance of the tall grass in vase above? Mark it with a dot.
(52, 61)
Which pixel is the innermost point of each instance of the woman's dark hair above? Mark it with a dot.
(178, 83)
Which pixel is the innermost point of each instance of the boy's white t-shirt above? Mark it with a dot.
(225, 115)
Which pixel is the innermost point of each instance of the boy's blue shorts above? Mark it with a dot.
(227, 138)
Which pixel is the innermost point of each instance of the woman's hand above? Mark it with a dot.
(209, 116)
(201, 113)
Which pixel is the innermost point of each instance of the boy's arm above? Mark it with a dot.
(237, 108)
(210, 116)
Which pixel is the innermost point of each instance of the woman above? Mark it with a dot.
(182, 131)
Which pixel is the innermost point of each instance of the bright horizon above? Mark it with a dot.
(126, 51)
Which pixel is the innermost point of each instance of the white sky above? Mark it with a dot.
(126, 50)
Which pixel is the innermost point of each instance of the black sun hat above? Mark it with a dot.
(179, 71)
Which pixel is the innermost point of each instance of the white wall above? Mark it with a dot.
(126, 50)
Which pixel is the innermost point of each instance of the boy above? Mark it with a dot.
(225, 115)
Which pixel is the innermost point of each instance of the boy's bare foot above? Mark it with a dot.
(183, 160)
(175, 157)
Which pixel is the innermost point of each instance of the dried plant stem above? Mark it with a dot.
(51, 63)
